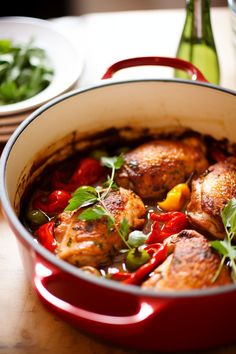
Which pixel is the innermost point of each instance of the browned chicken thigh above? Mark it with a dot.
(192, 264)
(210, 193)
(152, 169)
(91, 242)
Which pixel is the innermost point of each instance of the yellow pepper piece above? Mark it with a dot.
(176, 198)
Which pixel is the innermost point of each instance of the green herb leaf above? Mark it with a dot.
(228, 214)
(110, 183)
(93, 213)
(87, 195)
(136, 238)
(220, 247)
(124, 228)
(22, 71)
(114, 162)
(225, 247)
(83, 196)
(5, 45)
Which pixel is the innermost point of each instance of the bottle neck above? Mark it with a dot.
(198, 13)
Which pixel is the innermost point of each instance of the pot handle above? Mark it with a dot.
(100, 323)
(176, 63)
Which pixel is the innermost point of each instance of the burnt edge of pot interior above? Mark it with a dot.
(136, 290)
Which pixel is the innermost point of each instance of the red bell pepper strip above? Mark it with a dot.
(173, 222)
(177, 223)
(120, 276)
(88, 172)
(151, 249)
(155, 234)
(164, 217)
(45, 235)
(54, 203)
(141, 273)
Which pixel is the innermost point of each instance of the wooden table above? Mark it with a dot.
(25, 326)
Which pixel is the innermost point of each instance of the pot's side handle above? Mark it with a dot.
(95, 322)
(176, 63)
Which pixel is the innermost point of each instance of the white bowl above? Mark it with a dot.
(65, 60)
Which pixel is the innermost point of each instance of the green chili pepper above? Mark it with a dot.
(135, 258)
(36, 217)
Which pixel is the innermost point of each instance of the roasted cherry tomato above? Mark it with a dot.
(88, 172)
(54, 203)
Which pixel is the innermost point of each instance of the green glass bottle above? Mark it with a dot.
(197, 43)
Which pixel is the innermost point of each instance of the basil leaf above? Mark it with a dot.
(110, 183)
(112, 162)
(225, 247)
(136, 238)
(228, 214)
(119, 162)
(85, 189)
(233, 222)
(93, 213)
(82, 197)
(124, 228)
(220, 247)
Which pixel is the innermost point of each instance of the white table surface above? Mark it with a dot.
(101, 39)
(108, 37)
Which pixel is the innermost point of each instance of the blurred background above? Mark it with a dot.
(47, 9)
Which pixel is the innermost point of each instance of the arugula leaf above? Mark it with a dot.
(5, 45)
(82, 197)
(22, 71)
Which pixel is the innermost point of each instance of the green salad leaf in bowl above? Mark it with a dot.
(25, 71)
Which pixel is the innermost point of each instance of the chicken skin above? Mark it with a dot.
(192, 264)
(152, 169)
(210, 193)
(91, 243)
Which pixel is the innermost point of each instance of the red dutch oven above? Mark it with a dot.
(123, 314)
